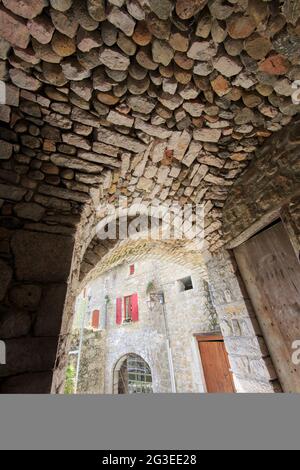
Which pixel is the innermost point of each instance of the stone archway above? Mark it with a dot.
(273, 178)
(142, 102)
(122, 383)
(101, 260)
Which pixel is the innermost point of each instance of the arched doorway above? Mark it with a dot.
(132, 375)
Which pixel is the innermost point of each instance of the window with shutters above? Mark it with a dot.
(96, 319)
(132, 270)
(127, 309)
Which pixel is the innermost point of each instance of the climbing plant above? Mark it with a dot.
(69, 385)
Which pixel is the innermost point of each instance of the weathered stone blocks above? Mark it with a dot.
(42, 257)
(6, 274)
(25, 8)
(12, 193)
(38, 382)
(25, 296)
(29, 355)
(13, 29)
(14, 323)
(49, 315)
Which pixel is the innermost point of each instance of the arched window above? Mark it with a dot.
(132, 375)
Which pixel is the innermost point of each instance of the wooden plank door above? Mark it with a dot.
(216, 367)
(271, 273)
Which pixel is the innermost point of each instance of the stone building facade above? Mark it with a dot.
(164, 332)
(180, 102)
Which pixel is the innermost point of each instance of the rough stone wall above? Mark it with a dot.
(250, 361)
(91, 371)
(76, 127)
(267, 190)
(148, 100)
(34, 269)
(188, 313)
(81, 242)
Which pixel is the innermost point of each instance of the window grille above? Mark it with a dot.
(135, 376)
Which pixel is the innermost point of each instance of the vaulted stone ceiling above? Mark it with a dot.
(100, 258)
(149, 99)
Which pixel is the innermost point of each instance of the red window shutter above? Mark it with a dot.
(132, 270)
(135, 307)
(119, 312)
(96, 319)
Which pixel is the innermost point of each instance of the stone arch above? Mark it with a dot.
(65, 144)
(273, 179)
(130, 250)
(101, 256)
(118, 366)
(158, 230)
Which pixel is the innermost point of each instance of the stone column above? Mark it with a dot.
(248, 354)
(34, 270)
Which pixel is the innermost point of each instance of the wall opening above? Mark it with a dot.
(132, 375)
(185, 284)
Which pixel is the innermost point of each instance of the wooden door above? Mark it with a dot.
(215, 363)
(271, 273)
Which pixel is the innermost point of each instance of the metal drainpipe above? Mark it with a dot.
(106, 311)
(170, 355)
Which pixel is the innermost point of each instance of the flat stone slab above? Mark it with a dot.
(42, 257)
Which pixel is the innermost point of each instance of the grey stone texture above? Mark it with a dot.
(188, 313)
(32, 307)
(50, 190)
(273, 177)
(250, 361)
(50, 265)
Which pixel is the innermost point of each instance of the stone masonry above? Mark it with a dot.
(274, 176)
(153, 101)
(252, 367)
(187, 313)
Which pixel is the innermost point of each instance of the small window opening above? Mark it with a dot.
(132, 270)
(185, 284)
